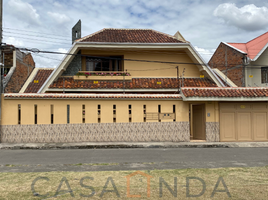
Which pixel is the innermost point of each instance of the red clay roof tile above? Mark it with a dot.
(136, 83)
(89, 96)
(129, 36)
(225, 92)
(39, 79)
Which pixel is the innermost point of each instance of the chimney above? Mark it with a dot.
(76, 31)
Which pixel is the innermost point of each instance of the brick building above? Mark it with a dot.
(17, 68)
(245, 64)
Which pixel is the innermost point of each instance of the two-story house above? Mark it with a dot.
(132, 85)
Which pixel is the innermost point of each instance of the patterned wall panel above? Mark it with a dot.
(74, 66)
(212, 131)
(103, 132)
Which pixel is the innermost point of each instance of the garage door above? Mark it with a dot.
(243, 122)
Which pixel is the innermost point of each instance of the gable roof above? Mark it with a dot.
(113, 35)
(136, 83)
(148, 39)
(254, 47)
(224, 79)
(35, 82)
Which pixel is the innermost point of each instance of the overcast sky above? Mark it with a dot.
(46, 24)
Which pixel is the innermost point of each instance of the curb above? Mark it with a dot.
(110, 145)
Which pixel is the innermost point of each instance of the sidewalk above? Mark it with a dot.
(106, 145)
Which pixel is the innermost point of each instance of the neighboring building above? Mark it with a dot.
(132, 85)
(245, 64)
(17, 67)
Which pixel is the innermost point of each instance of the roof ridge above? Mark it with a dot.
(257, 37)
(227, 88)
(85, 37)
(172, 36)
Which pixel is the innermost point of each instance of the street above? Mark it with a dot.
(130, 159)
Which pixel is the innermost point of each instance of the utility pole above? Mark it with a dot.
(178, 80)
(1, 77)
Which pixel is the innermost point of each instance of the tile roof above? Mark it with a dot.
(39, 79)
(91, 96)
(225, 92)
(253, 47)
(129, 36)
(136, 83)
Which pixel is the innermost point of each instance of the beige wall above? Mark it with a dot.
(151, 69)
(10, 110)
(254, 69)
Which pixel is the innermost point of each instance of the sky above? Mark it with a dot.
(46, 25)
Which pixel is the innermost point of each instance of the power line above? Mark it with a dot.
(54, 38)
(40, 41)
(36, 32)
(125, 59)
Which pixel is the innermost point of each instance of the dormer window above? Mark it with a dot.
(111, 63)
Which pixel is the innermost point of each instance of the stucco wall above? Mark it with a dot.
(10, 110)
(151, 69)
(254, 69)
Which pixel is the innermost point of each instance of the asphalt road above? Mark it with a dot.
(130, 159)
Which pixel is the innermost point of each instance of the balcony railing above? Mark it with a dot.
(102, 75)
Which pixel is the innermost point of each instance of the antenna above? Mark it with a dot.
(182, 77)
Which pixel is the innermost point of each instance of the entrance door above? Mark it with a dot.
(199, 132)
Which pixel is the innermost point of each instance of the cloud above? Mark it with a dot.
(205, 53)
(248, 17)
(59, 18)
(13, 41)
(24, 12)
(49, 60)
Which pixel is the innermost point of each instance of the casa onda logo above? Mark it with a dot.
(173, 190)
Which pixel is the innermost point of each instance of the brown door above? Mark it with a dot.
(199, 122)
(260, 126)
(243, 122)
(227, 126)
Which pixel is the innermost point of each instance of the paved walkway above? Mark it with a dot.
(105, 145)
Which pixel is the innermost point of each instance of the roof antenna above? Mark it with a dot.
(76, 31)
(183, 77)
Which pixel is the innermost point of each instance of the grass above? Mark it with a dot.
(242, 183)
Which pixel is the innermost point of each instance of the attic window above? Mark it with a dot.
(264, 75)
(104, 64)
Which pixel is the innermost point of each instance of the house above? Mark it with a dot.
(17, 68)
(243, 64)
(132, 85)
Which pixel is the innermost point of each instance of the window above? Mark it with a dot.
(114, 113)
(264, 75)
(104, 64)
(159, 111)
(83, 113)
(19, 114)
(130, 113)
(51, 114)
(144, 113)
(35, 114)
(174, 111)
(99, 113)
(68, 114)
